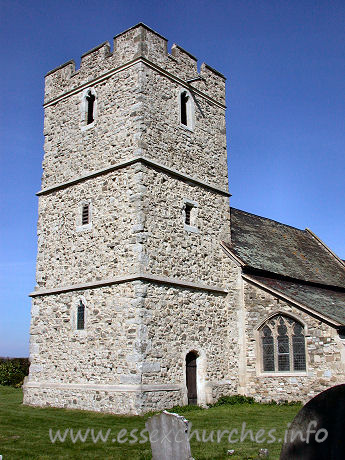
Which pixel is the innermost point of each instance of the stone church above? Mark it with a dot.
(151, 291)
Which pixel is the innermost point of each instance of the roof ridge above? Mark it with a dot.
(267, 218)
(325, 247)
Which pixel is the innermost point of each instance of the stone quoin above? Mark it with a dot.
(151, 291)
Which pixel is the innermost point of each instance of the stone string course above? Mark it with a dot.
(139, 332)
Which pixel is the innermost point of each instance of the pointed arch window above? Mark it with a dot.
(81, 316)
(88, 108)
(90, 101)
(282, 345)
(186, 109)
(184, 102)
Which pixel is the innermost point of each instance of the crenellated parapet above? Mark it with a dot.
(139, 43)
(133, 205)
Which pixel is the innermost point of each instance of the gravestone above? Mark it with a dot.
(317, 431)
(169, 437)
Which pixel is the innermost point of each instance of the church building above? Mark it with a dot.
(151, 291)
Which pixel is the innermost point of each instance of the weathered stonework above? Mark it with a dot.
(154, 286)
(135, 165)
(324, 352)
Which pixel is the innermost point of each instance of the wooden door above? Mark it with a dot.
(191, 378)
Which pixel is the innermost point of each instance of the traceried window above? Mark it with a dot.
(282, 345)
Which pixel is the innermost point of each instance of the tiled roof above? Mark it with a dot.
(267, 245)
(325, 301)
(292, 262)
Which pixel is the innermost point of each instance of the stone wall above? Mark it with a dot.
(171, 249)
(137, 111)
(69, 253)
(126, 402)
(114, 402)
(324, 352)
(71, 151)
(108, 349)
(137, 333)
(100, 367)
(182, 320)
(139, 42)
(199, 152)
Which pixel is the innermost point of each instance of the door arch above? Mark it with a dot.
(191, 378)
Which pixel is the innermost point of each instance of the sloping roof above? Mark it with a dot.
(323, 300)
(290, 261)
(270, 246)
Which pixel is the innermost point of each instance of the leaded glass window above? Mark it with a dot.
(298, 345)
(282, 345)
(268, 349)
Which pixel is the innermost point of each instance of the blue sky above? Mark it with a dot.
(284, 61)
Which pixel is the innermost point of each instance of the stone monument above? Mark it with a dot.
(169, 437)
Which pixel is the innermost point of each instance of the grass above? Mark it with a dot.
(24, 431)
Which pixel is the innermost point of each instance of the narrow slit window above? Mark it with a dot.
(81, 316)
(188, 210)
(85, 214)
(90, 99)
(184, 101)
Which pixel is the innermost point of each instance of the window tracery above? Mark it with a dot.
(282, 345)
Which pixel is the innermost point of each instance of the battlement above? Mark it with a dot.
(138, 42)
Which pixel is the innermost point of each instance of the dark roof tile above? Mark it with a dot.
(327, 302)
(266, 245)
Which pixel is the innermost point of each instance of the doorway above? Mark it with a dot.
(191, 374)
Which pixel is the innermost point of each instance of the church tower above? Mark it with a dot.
(131, 307)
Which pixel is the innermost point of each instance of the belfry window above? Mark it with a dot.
(282, 345)
(189, 215)
(184, 101)
(85, 214)
(90, 100)
(187, 211)
(88, 108)
(81, 316)
(186, 109)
